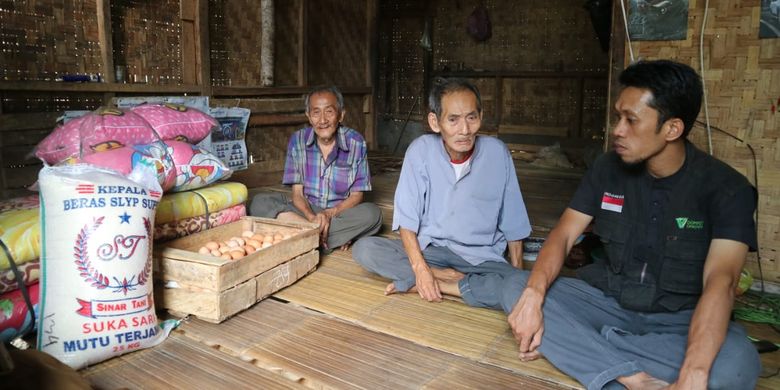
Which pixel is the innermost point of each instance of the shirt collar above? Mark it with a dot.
(341, 138)
(443, 149)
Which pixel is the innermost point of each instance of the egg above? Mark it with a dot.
(224, 249)
(247, 233)
(268, 238)
(258, 237)
(278, 237)
(226, 256)
(254, 243)
(249, 249)
(204, 251)
(236, 254)
(233, 244)
(216, 253)
(212, 245)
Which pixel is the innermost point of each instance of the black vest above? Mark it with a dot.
(670, 277)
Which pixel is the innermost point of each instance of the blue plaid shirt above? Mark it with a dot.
(327, 181)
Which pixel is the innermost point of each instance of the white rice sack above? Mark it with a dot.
(96, 264)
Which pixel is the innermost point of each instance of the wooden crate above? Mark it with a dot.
(214, 289)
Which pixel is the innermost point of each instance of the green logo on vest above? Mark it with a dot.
(685, 223)
(681, 222)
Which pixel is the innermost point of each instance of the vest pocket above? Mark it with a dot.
(614, 234)
(683, 266)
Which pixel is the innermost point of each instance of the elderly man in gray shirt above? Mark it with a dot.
(458, 208)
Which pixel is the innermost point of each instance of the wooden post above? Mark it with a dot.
(189, 42)
(203, 51)
(617, 59)
(372, 59)
(105, 40)
(267, 43)
(303, 77)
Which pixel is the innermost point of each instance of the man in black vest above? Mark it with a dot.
(676, 224)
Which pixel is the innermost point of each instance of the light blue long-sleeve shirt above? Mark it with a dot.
(474, 216)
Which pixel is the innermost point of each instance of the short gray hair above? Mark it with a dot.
(329, 89)
(443, 86)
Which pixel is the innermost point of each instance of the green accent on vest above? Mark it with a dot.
(681, 222)
(685, 223)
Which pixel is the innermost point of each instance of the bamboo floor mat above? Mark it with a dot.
(322, 352)
(179, 363)
(341, 288)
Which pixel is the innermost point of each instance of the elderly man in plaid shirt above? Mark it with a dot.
(328, 171)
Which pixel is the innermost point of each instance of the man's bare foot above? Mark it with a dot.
(345, 247)
(643, 381)
(390, 289)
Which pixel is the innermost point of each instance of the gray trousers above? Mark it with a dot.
(364, 219)
(388, 259)
(587, 335)
(590, 337)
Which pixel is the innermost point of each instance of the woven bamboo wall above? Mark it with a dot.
(235, 35)
(286, 42)
(43, 40)
(336, 42)
(235, 32)
(147, 40)
(742, 77)
(532, 35)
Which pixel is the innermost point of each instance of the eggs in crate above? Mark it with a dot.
(235, 248)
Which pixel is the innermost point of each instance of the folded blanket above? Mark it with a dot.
(31, 272)
(187, 226)
(20, 231)
(187, 204)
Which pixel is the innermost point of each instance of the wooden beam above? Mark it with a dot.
(105, 39)
(55, 86)
(277, 119)
(263, 106)
(203, 48)
(30, 121)
(275, 91)
(303, 77)
(523, 74)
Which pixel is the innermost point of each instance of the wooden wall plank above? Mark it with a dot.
(106, 40)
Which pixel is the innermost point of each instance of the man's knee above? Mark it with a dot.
(370, 215)
(267, 205)
(737, 366)
(364, 250)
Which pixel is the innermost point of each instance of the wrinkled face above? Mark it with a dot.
(635, 136)
(324, 115)
(458, 124)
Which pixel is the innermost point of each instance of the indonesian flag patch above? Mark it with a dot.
(612, 202)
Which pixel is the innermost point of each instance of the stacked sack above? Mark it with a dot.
(121, 140)
(20, 232)
(98, 211)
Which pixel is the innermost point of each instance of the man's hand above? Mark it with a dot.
(527, 323)
(426, 284)
(323, 220)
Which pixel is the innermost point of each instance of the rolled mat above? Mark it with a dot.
(188, 204)
(20, 230)
(31, 272)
